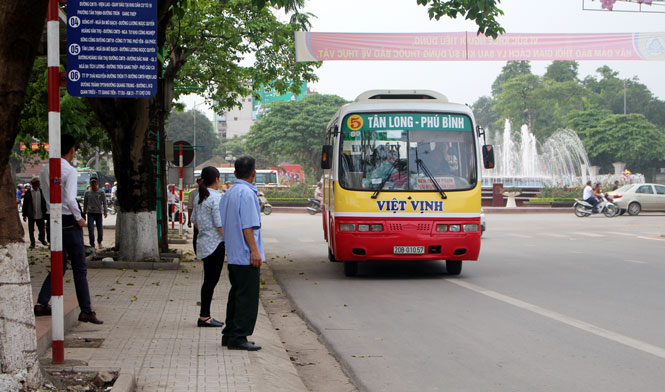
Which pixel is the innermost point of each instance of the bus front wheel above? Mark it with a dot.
(350, 268)
(454, 267)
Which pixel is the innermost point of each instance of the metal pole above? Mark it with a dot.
(194, 162)
(180, 184)
(55, 196)
(624, 97)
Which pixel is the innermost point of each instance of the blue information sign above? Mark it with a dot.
(112, 48)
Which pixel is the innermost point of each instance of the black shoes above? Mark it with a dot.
(225, 341)
(41, 310)
(249, 346)
(210, 322)
(89, 318)
(32, 246)
(43, 242)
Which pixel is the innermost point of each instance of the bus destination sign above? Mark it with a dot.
(112, 48)
(407, 121)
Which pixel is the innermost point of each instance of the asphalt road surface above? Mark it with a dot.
(555, 303)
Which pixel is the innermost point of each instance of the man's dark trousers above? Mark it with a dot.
(243, 304)
(40, 228)
(95, 218)
(72, 248)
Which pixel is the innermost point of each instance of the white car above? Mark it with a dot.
(635, 198)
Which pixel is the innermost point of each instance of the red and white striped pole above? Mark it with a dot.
(180, 184)
(53, 61)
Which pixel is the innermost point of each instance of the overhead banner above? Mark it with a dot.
(467, 46)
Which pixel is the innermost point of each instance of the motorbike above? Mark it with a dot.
(583, 209)
(266, 208)
(313, 206)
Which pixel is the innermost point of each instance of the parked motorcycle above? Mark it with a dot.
(583, 208)
(314, 206)
(266, 208)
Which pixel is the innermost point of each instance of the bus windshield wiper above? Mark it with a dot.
(383, 182)
(421, 164)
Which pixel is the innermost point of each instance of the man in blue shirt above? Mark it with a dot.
(241, 223)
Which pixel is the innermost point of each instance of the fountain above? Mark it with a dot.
(560, 161)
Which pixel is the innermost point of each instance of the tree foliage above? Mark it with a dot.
(182, 125)
(593, 107)
(76, 117)
(483, 12)
(294, 131)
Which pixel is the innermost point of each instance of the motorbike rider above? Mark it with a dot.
(318, 193)
(590, 196)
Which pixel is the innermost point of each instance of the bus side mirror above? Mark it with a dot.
(488, 156)
(326, 157)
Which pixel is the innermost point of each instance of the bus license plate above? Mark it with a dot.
(409, 250)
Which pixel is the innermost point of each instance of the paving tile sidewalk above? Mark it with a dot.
(150, 330)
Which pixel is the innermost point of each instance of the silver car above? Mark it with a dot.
(635, 198)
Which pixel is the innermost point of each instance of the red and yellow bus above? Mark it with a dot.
(402, 180)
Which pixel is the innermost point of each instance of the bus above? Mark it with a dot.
(264, 177)
(402, 180)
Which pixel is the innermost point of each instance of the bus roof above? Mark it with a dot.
(401, 95)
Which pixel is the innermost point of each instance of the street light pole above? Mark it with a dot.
(194, 114)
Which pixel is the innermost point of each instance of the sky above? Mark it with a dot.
(465, 82)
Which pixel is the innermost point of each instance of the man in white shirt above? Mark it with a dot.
(72, 235)
(590, 196)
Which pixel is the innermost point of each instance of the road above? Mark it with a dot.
(555, 303)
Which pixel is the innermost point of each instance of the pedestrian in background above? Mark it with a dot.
(210, 244)
(241, 220)
(94, 204)
(35, 212)
(72, 236)
(191, 206)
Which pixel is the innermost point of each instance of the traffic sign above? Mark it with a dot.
(187, 153)
(112, 48)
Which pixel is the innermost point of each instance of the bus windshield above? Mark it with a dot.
(407, 152)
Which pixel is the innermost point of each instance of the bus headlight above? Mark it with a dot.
(470, 227)
(441, 228)
(363, 227)
(455, 228)
(377, 227)
(347, 227)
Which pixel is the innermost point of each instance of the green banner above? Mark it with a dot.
(406, 121)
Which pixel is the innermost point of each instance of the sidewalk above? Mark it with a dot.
(150, 331)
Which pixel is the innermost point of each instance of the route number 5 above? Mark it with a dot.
(354, 122)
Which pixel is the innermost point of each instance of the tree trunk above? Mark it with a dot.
(21, 26)
(127, 123)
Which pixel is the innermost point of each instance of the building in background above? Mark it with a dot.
(238, 121)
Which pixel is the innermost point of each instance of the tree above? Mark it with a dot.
(294, 131)
(484, 113)
(519, 100)
(562, 71)
(180, 126)
(628, 138)
(21, 27)
(483, 12)
(509, 71)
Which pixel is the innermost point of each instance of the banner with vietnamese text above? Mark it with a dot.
(467, 46)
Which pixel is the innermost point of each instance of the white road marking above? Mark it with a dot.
(520, 235)
(637, 261)
(588, 234)
(620, 233)
(573, 322)
(555, 235)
